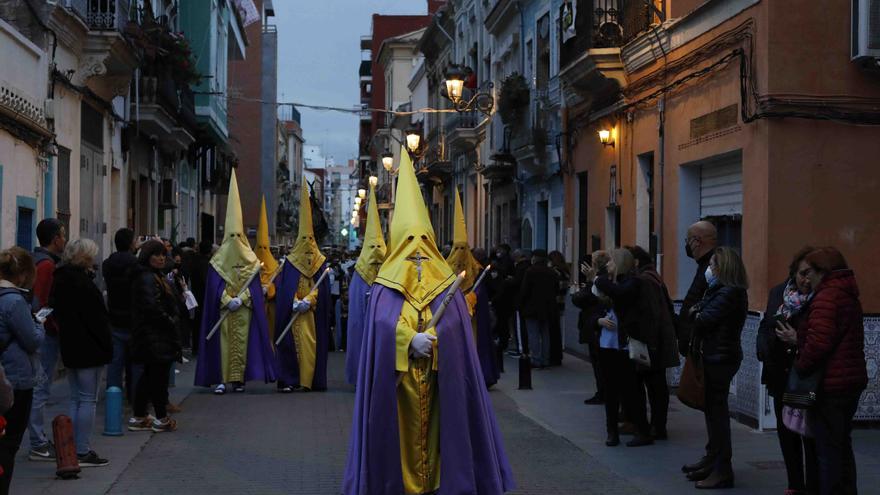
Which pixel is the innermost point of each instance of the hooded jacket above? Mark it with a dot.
(20, 339)
(154, 308)
(833, 335)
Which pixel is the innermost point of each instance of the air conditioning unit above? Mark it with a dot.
(865, 29)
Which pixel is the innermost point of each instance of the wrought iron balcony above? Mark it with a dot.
(605, 24)
(103, 15)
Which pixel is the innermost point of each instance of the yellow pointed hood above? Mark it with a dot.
(460, 258)
(414, 265)
(262, 250)
(235, 261)
(374, 249)
(305, 255)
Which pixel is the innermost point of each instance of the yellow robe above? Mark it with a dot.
(234, 338)
(418, 407)
(305, 333)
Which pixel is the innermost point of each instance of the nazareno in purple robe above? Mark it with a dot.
(285, 352)
(260, 360)
(358, 292)
(472, 458)
(485, 342)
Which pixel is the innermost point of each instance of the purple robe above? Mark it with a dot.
(485, 342)
(260, 361)
(472, 458)
(288, 365)
(358, 292)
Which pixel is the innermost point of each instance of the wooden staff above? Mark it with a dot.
(225, 313)
(296, 315)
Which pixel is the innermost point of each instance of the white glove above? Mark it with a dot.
(304, 305)
(234, 304)
(420, 345)
(265, 291)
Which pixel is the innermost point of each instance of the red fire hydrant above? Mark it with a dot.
(66, 463)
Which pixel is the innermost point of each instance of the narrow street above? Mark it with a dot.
(267, 443)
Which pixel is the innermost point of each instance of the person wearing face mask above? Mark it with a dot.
(718, 320)
(85, 338)
(302, 353)
(777, 349)
(700, 243)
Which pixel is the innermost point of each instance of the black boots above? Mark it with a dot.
(613, 439)
(720, 478)
(689, 468)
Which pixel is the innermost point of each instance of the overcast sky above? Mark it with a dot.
(318, 59)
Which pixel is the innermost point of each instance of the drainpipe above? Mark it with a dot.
(661, 129)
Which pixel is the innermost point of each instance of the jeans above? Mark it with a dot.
(717, 413)
(831, 422)
(152, 386)
(121, 363)
(539, 342)
(16, 422)
(83, 403)
(48, 360)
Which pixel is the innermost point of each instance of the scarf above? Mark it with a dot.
(793, 302)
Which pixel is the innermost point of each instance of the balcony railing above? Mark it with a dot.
(177, 100)
(462, 120)
(103, 15)
(605, 24)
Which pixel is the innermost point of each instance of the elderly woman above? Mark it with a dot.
(718, 322)
(85, 339)
(777, 349)
(20, 337)
(831, 341)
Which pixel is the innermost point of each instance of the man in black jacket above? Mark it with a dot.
(700, 244)
(537, 303)
(522, 260)
(117, 271)
(198, 273)
(501, 274)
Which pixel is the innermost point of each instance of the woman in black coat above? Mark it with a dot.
(84, 339)
(718, 322)
(789, 302)
(155, 339)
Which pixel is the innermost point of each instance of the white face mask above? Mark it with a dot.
(710, 276)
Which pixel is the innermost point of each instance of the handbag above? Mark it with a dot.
(796, 420)
(801, 392)
(692, 385)
(638, 352)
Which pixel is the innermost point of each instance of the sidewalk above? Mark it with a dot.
(39, 477)
(556, 403)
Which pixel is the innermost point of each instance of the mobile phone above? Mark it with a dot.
(780, 318)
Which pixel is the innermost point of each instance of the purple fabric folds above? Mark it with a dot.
(260, 359)
(472, 455)
(285, 353)
(358, 291)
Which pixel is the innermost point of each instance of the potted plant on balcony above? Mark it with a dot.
(178, 58)
(513, 98)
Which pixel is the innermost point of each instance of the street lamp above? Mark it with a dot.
(388, 160)
(482, 99)
(605, 138)
(374, 181)
(455, 83)
(413, 140)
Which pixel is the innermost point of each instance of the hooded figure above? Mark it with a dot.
(270, 266)
(462, 260)
(302, 354)
(423, 422)
(365, 271)
(240, 350)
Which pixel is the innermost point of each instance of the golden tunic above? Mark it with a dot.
(305, 334)
(418, 410)
(234, 338)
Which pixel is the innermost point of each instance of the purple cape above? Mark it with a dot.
(358, 291)
(472, 458)
(285, 353)
(485, 342)
(260, 362)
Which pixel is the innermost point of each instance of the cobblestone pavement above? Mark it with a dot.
(268, 443)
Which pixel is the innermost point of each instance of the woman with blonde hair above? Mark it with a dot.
(718, 322)
(85, 338)
(20, 337)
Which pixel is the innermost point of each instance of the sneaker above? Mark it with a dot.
(91, 460)
(140, 424)
(173, 408)
(44, 453)
(166, 424)
(220, 390)
(238, 388)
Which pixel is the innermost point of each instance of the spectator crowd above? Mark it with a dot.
(142, 316)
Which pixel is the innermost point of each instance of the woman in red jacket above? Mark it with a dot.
(833, 337)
